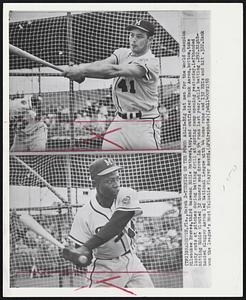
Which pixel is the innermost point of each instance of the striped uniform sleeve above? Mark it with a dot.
(127, 200)
(79, 232)
(151, 67)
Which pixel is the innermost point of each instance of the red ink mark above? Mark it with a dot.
(103, 135)
(81, 287)
(107, 283)
(120, 288)
(118, 121)
(103, 138)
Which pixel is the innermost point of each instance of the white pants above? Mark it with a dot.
(133, 134)
(124, 271)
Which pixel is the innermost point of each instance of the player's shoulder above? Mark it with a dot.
(122, 52)
(124, 189)
(84, 210)
(149, 58)
(149, 61)
(126, 194)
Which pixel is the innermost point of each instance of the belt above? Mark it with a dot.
(129, 251)
(130, 115)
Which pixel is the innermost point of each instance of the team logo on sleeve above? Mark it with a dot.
(126, 200)
(125, 196)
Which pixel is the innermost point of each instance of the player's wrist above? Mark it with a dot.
(94, 242)
(81, 257)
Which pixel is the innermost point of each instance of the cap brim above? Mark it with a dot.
(109, 170)
(130, 27)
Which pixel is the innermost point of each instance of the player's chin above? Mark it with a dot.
(115, 192)
(133, 48)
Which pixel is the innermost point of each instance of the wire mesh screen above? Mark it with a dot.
(36, 262)
(76, 118)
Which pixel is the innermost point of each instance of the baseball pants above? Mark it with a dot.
(124, 271)
(133, 134)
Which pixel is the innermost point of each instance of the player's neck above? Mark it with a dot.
(141, 53)
(104, 201)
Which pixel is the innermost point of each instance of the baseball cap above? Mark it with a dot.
(143, 25)
(102, 166)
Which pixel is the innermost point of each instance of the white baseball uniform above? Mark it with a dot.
(115, 257)
(137, 124)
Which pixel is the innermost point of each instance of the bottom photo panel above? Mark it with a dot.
(96, 220)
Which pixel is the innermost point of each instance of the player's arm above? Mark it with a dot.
(75, 72)
(104, 70)
(127, 206)
(114, 227)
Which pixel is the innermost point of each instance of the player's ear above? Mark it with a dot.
(151, 38)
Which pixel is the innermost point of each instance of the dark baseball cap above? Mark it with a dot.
(102, 166)
(143, 25)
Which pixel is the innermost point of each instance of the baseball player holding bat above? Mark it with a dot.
(136, 72)
(104, 229)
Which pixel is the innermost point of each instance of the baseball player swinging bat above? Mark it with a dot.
(70, 254)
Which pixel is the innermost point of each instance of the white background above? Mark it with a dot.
(226, 134)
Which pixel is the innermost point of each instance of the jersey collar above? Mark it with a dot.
(148, 53)
(97, 206)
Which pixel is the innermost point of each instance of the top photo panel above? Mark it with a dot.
(94, 81)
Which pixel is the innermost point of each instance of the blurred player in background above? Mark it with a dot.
(136, 73)
(30, 132)
(105, 227)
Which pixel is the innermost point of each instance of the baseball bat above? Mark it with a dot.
(22, 53)
(49, 186)
(36, 227)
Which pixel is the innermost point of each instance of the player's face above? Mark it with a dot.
(109, 184)
(139, 41)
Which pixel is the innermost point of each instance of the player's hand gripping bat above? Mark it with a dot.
(80, 257)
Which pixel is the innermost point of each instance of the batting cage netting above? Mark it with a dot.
(77, 115)
(52, 187)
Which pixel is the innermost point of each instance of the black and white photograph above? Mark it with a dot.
(94, 80)
(71, 197)
(122, 145)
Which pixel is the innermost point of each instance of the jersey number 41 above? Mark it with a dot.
(123, 86)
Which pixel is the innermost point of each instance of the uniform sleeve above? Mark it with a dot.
(127, 200)
(79, 232)
(151, 67)
(120, 54)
